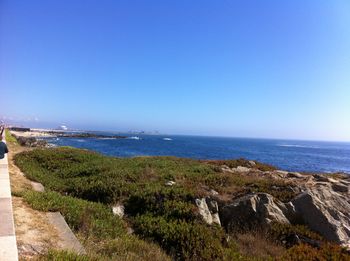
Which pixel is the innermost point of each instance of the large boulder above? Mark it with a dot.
(252, 209)
(326, 209)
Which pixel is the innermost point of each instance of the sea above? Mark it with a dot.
(289, 155)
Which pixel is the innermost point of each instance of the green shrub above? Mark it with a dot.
(59, 255)
(130, 247)
(88, 218)
(187, 241)
(169, 201)
(280, 231)
(241, 162)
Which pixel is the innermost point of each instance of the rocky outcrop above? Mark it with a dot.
(323, 205)
(209, 210)
(252, 209)
(325, 208)
(30, 141)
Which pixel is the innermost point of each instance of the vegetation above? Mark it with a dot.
(9, 137)
(104, 234)
(94, 177)
(83, 185)
(88, 218)
(326, 252)
(241, 162)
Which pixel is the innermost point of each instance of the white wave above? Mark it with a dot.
(167, 139)
(80, 140)
(134, 138)
(297, 146)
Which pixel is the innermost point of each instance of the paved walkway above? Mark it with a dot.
(8, 245)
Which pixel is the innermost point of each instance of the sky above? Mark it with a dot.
(241, 68)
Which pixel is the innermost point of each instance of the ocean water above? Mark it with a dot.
(308, 156)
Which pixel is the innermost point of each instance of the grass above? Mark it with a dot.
(9, 137)
(103, 234)
(87, 218)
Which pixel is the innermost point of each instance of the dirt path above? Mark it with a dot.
(35, 232)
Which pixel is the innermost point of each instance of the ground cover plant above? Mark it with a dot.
(83, 186)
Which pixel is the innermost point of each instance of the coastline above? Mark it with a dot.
(210, 195)
(302, 156)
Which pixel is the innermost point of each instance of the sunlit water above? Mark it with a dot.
(311, 156)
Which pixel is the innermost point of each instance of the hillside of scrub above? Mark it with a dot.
(159, 195)
(88, 175)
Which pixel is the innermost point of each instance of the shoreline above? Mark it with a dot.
(46, 138)
(43, 133)
(208, 196)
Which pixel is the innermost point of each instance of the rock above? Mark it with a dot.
(30, 141)
(204, 210)
(209, 213)
(296, 175)
(213, 192)
(321, 178)
(277, 174)
(338, 187)
(170, 183)
(37, 186)
(326, 211)
(241, 169)
(214, 210)
(30, 250)
(129, 231)
(118, 210)
(252, 163)
(251, 209)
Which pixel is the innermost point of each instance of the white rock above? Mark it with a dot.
(241, 169)
(213, 192)
(252, 163)
(204, 210)
(118, 210)
(208, 209)
(170, 183)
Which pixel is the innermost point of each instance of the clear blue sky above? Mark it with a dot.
(278, 69)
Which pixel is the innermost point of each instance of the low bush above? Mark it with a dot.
(172, 202)
(183, 240)
(326, 252)
(129, 247)
(87, 218)
(59, 255)
(279, 232)
(241, 162)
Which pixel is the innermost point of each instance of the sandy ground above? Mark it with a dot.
(34, 232)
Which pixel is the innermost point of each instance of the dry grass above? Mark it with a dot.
(34, 234)
(258, 245)
(19, 182)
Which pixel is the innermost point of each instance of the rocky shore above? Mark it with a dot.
(36, 138)
(322, 202)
